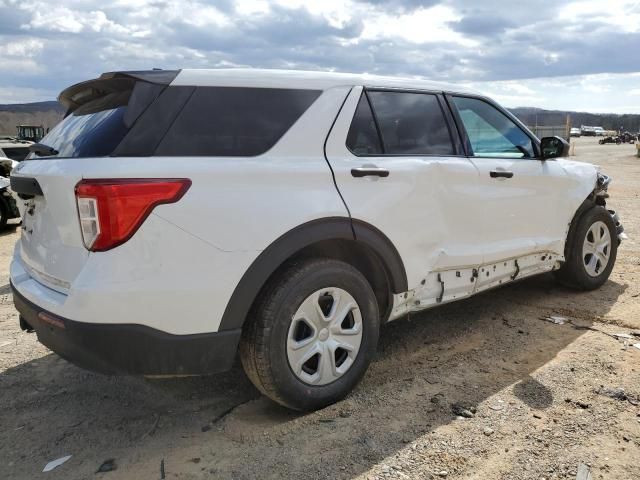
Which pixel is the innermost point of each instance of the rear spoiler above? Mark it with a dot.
(83, 92)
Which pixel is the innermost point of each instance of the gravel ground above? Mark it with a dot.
(539, 395)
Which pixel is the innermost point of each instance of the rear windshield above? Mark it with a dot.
(93, 130)
(194, 121)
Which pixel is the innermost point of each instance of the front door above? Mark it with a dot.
(525, 211)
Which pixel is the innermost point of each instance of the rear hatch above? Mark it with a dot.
(101, 115)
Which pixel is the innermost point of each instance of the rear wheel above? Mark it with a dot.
(311, 335)
(591, 251)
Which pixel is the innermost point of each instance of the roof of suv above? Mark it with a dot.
(251, 77)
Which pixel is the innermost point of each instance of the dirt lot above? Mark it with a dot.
(532, 383)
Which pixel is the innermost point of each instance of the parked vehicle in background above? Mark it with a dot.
(599, 131)
(627, 137)
(610, 139)
(286, 215)
(14, 148)
(6, 166)
(574, 132)
(586, 131)
(8, 207)
(30, 133)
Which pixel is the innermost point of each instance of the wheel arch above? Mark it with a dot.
(353, 241)
(598, 196)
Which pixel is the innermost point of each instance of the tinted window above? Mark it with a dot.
(97, 127)
(94, 134)
(363, 138)
(492, 133)
(411, 123)
(231, 121)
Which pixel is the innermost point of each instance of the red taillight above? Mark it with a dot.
(111, 210)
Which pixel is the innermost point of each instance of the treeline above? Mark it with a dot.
(609, 121)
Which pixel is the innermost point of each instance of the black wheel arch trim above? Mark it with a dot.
(586, 205)
(292, 242)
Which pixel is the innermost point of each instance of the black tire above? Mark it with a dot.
(4, 213)
(573, 272)
(263, 347)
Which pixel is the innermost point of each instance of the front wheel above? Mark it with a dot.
(311, 335)
(591, 250)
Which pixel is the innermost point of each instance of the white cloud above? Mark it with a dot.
(423, 26)
(623, 14)
(549, 53)
(23, 48)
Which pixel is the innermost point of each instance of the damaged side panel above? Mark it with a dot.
(437, 287)
(450, 285)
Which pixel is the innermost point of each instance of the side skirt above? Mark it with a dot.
(446, 286)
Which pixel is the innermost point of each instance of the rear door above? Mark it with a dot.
(400, 168)
(524, 208)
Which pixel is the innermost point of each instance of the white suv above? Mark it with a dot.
(174, 218)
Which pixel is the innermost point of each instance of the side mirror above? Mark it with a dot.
(554, 147)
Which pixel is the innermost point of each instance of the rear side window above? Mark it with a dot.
(411, 123)
(234, 122)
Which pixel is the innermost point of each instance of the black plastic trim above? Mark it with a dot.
(458, 147)
(500, 174)
(294, 241)
(129, 348)
(380, 243)
(360, 172)
(25, 187)
(117, 80)
(157, 76)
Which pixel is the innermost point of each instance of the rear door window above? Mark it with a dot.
(363, 138)
(411, 123)
(233, 121)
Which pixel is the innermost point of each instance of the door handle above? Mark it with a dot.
(369, 172)
(500, 174)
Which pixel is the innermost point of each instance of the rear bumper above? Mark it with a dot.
(129, 348)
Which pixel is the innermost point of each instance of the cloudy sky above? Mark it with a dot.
(562, 54)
